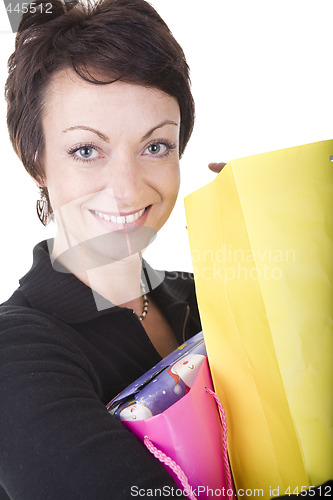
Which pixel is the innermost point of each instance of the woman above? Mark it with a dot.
(99, 111)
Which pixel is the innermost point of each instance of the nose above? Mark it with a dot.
(125, 177)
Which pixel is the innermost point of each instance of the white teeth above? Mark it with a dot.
(121, 219)
(131, 218)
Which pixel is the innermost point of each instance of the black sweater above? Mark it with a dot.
(61, 361)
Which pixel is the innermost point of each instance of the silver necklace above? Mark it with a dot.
(145, 302)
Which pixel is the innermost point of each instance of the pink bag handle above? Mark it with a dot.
(227, 470)
(163, 458)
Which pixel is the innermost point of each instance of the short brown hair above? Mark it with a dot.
(120, 39)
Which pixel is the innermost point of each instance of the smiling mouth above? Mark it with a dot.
(120, 219)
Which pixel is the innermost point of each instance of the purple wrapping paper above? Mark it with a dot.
(161, 386)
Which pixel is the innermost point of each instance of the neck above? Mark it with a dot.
(118, 281)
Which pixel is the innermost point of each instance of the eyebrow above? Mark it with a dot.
(160, 125)
(106, 139)
(83, 127)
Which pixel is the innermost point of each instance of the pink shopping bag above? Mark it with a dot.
(189, 438)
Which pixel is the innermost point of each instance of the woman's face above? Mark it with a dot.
(111, 159)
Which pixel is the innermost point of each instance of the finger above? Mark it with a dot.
(216, 167)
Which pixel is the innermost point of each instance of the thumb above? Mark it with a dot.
(216, 167)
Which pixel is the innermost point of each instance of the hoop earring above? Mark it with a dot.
(42, 208)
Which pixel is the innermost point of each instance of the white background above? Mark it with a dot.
(262, 79)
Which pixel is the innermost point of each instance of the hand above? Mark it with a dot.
(216, 167)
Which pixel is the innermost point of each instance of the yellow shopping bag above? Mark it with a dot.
(261, 239)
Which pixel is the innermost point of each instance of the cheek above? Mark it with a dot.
(169, 184)
(64, 181)
(63, 195)
(65, 188)
(174, 189)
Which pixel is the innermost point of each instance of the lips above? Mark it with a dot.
(130, 218)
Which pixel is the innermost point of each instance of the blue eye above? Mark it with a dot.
(154, 148)
(159, 148)
(84, 152)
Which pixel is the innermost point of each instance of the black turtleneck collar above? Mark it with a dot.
(63, 295)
